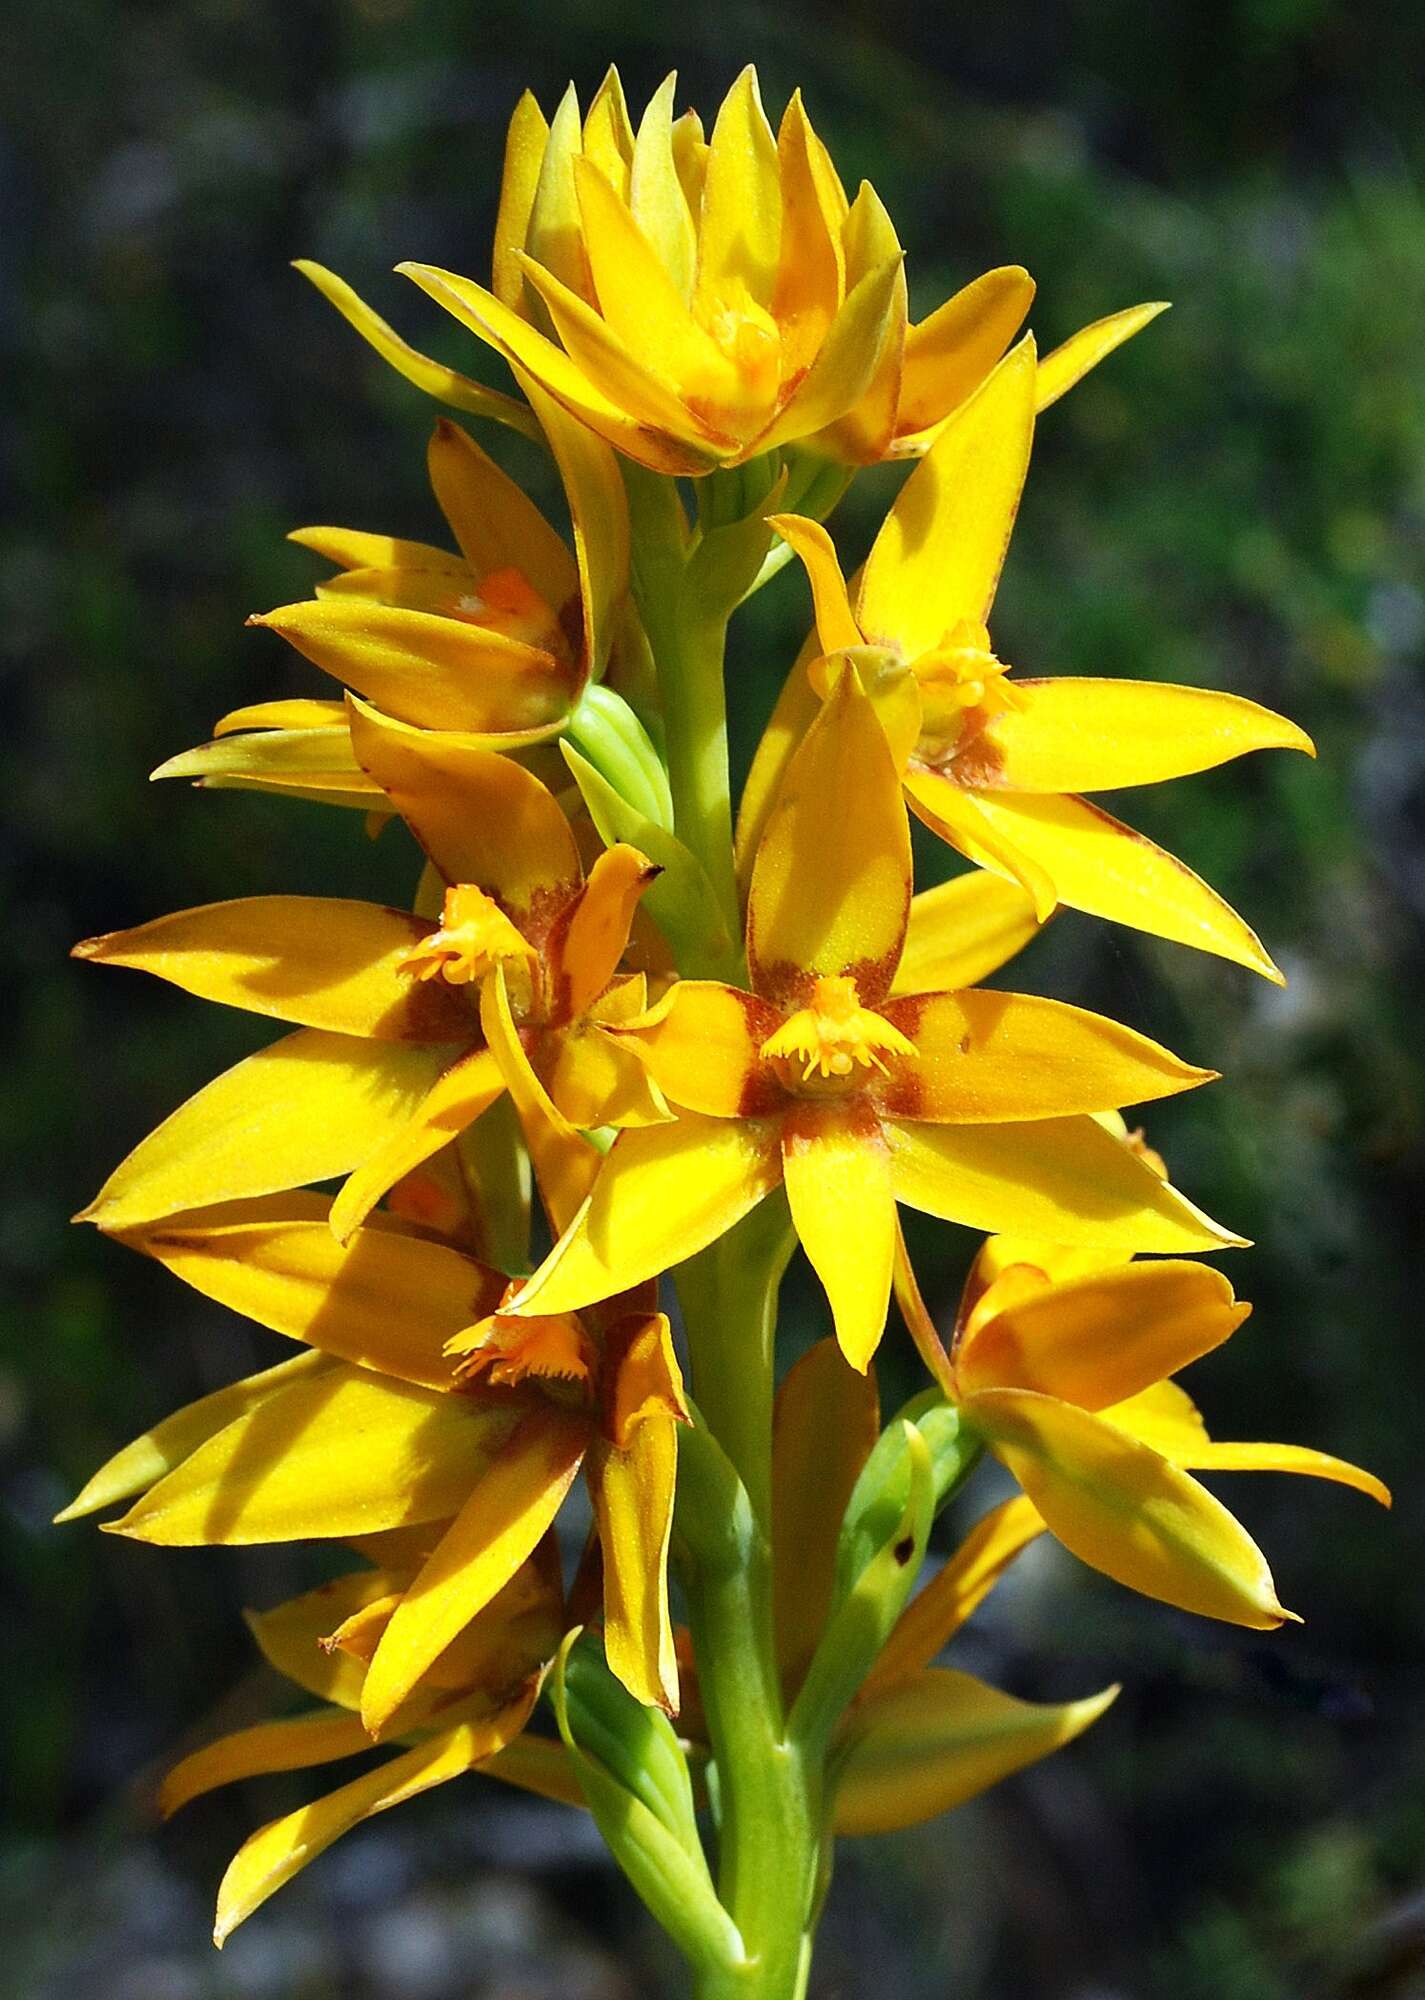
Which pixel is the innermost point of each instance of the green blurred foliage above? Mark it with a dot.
(1237, 499)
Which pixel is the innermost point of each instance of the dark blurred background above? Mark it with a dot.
(1237, 499)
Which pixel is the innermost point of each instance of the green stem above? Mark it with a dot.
(771, 1859)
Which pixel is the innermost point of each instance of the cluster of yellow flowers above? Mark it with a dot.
(609, 994)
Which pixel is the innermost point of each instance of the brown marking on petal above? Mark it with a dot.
(762, 1094)
(806, 1121)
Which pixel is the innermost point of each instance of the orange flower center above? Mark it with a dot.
(555, 1352)
(827, 1048)
(957, 678)
(507, 602)
(750, 341)
(474, 936)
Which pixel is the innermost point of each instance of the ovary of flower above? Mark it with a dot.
(832, 1037)
(475, 935)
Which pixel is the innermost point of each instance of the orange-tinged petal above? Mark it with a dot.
(494, 522)
(1086, 735)
(296, 1744)
(1102, 1339)
(527, 349)
(831, 884)
(949, 354)
(643, 1381)
(481, 818)
(663, 1194)
(837, 1169)
(824, 1426)
(987, 1058)
(455, 1099)
(319, 961)
(279, 1850)
(565, 1162)
(445, 384)
(797, 707)
(632, 1494)
(963, 930)
(290, 1636)
(1059, 371)
(701, 1045)
(739, 237)
(1124, 1510)
(385, 1299)
(955, 815)
(306, 1109)
(1100, 865)
(1062, 1179)
(431, 671)
(836, 629)
(938, 557)
(811, 274)
(848, 360)
(145, 1461)
(917, 1749)
(638, 299)
(956, 1591)
(524, 155)
(592, 934)
(342, 1454)
(656, 197)
(512, 1501)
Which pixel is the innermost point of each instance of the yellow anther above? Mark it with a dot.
(835, 1036)
(474, 936)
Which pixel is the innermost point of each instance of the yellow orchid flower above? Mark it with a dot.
(507, 992)
(1060, 1362)
(969, 1105)
(431, 1404)
(992, 763)
(700, 303)
(468, 1713)
(496, 642)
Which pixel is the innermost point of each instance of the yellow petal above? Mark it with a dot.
(144, 1462)
(565, 1162)
(797, 707)
(593, 933)
(701, 1045)
(933, 1742)
(593, 1078)
(962, 931)
(281, 1849)
(524, 154)
(1059, 371)
(385, 1300)
(496, 526)
(344, 1454)
(290, 1636)
(955, 815)
(319, 961)
(849, 358)
(660, 207)
(811, 275)
(1126, 1511)
(481, 818)
(1100, 865)
(1104, 1338)
(948, 355)
(1090, 735)
(527, 349)
(640, 303)
(938, 557)
(302, 714)
(541, 1765)
(552, 234)
(826, 1421)
(835, 627)
(643, 1383)
(663, 1194)
(837, 1168)
(1166, 1419)
(864, 435)
(306, 1109)
(431, 671)
(632, 1494)
(608, 134)
(598, 512)
(956, 1591)
(986, 1058)
(312, 760)
(1063, 1179)
(831, 884)
(456, 1098)
(739, 240)
(432, 376)
(294, 1745)
(511, 1502)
